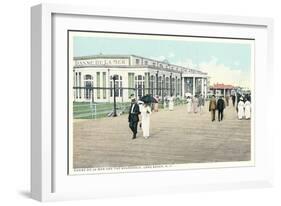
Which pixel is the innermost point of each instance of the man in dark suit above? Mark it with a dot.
(134, 117)
(227, 100)
(220, 107)
(233, 99)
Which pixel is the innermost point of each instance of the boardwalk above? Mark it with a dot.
(176, 137)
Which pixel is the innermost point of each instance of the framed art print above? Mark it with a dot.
(119, 98)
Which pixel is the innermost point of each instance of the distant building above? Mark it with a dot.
(222, 89)
(134, 75)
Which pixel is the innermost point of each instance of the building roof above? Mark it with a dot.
(222, 86)
(182, 68)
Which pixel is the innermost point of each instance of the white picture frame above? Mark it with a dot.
(49, 178)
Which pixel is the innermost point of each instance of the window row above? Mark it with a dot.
(138, 85)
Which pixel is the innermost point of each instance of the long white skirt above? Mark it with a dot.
(145, 124)
(171, 105)
(201, 108)
(240, 112)
(247, 111)
(189, 107)
(195, 108)
(165, 105)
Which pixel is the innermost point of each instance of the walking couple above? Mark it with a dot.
(144, 110)
(216, 105)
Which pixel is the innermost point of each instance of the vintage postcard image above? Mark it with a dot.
(145, 102)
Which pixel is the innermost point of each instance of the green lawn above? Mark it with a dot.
(87, 110)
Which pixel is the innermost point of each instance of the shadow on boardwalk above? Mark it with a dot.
(176, 137)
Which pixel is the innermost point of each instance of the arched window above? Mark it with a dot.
(88, 82)
(188, 86)
(173, 86)
(139, 84)
(160, 85)
(75, 80)
(152, 84)
(179, 87)
(167, 86)
(118, 86)
(198, 85)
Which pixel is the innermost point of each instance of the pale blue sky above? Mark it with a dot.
(234, 56)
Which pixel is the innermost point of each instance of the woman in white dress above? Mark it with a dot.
(195, 104)
(165, 102)
(145, 120)
(188, 101)
(171, 103)
(247, 109)
(241, 108)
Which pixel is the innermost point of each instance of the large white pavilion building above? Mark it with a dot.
(134, 75)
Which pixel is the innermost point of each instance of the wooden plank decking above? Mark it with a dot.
(176, 137)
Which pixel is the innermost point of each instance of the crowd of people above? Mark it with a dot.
(169, 102)
(195, 104)
(243, 106)
(140, 111)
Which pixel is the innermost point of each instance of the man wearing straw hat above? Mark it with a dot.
(213, 107)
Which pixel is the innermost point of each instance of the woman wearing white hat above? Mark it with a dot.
(241, 106)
